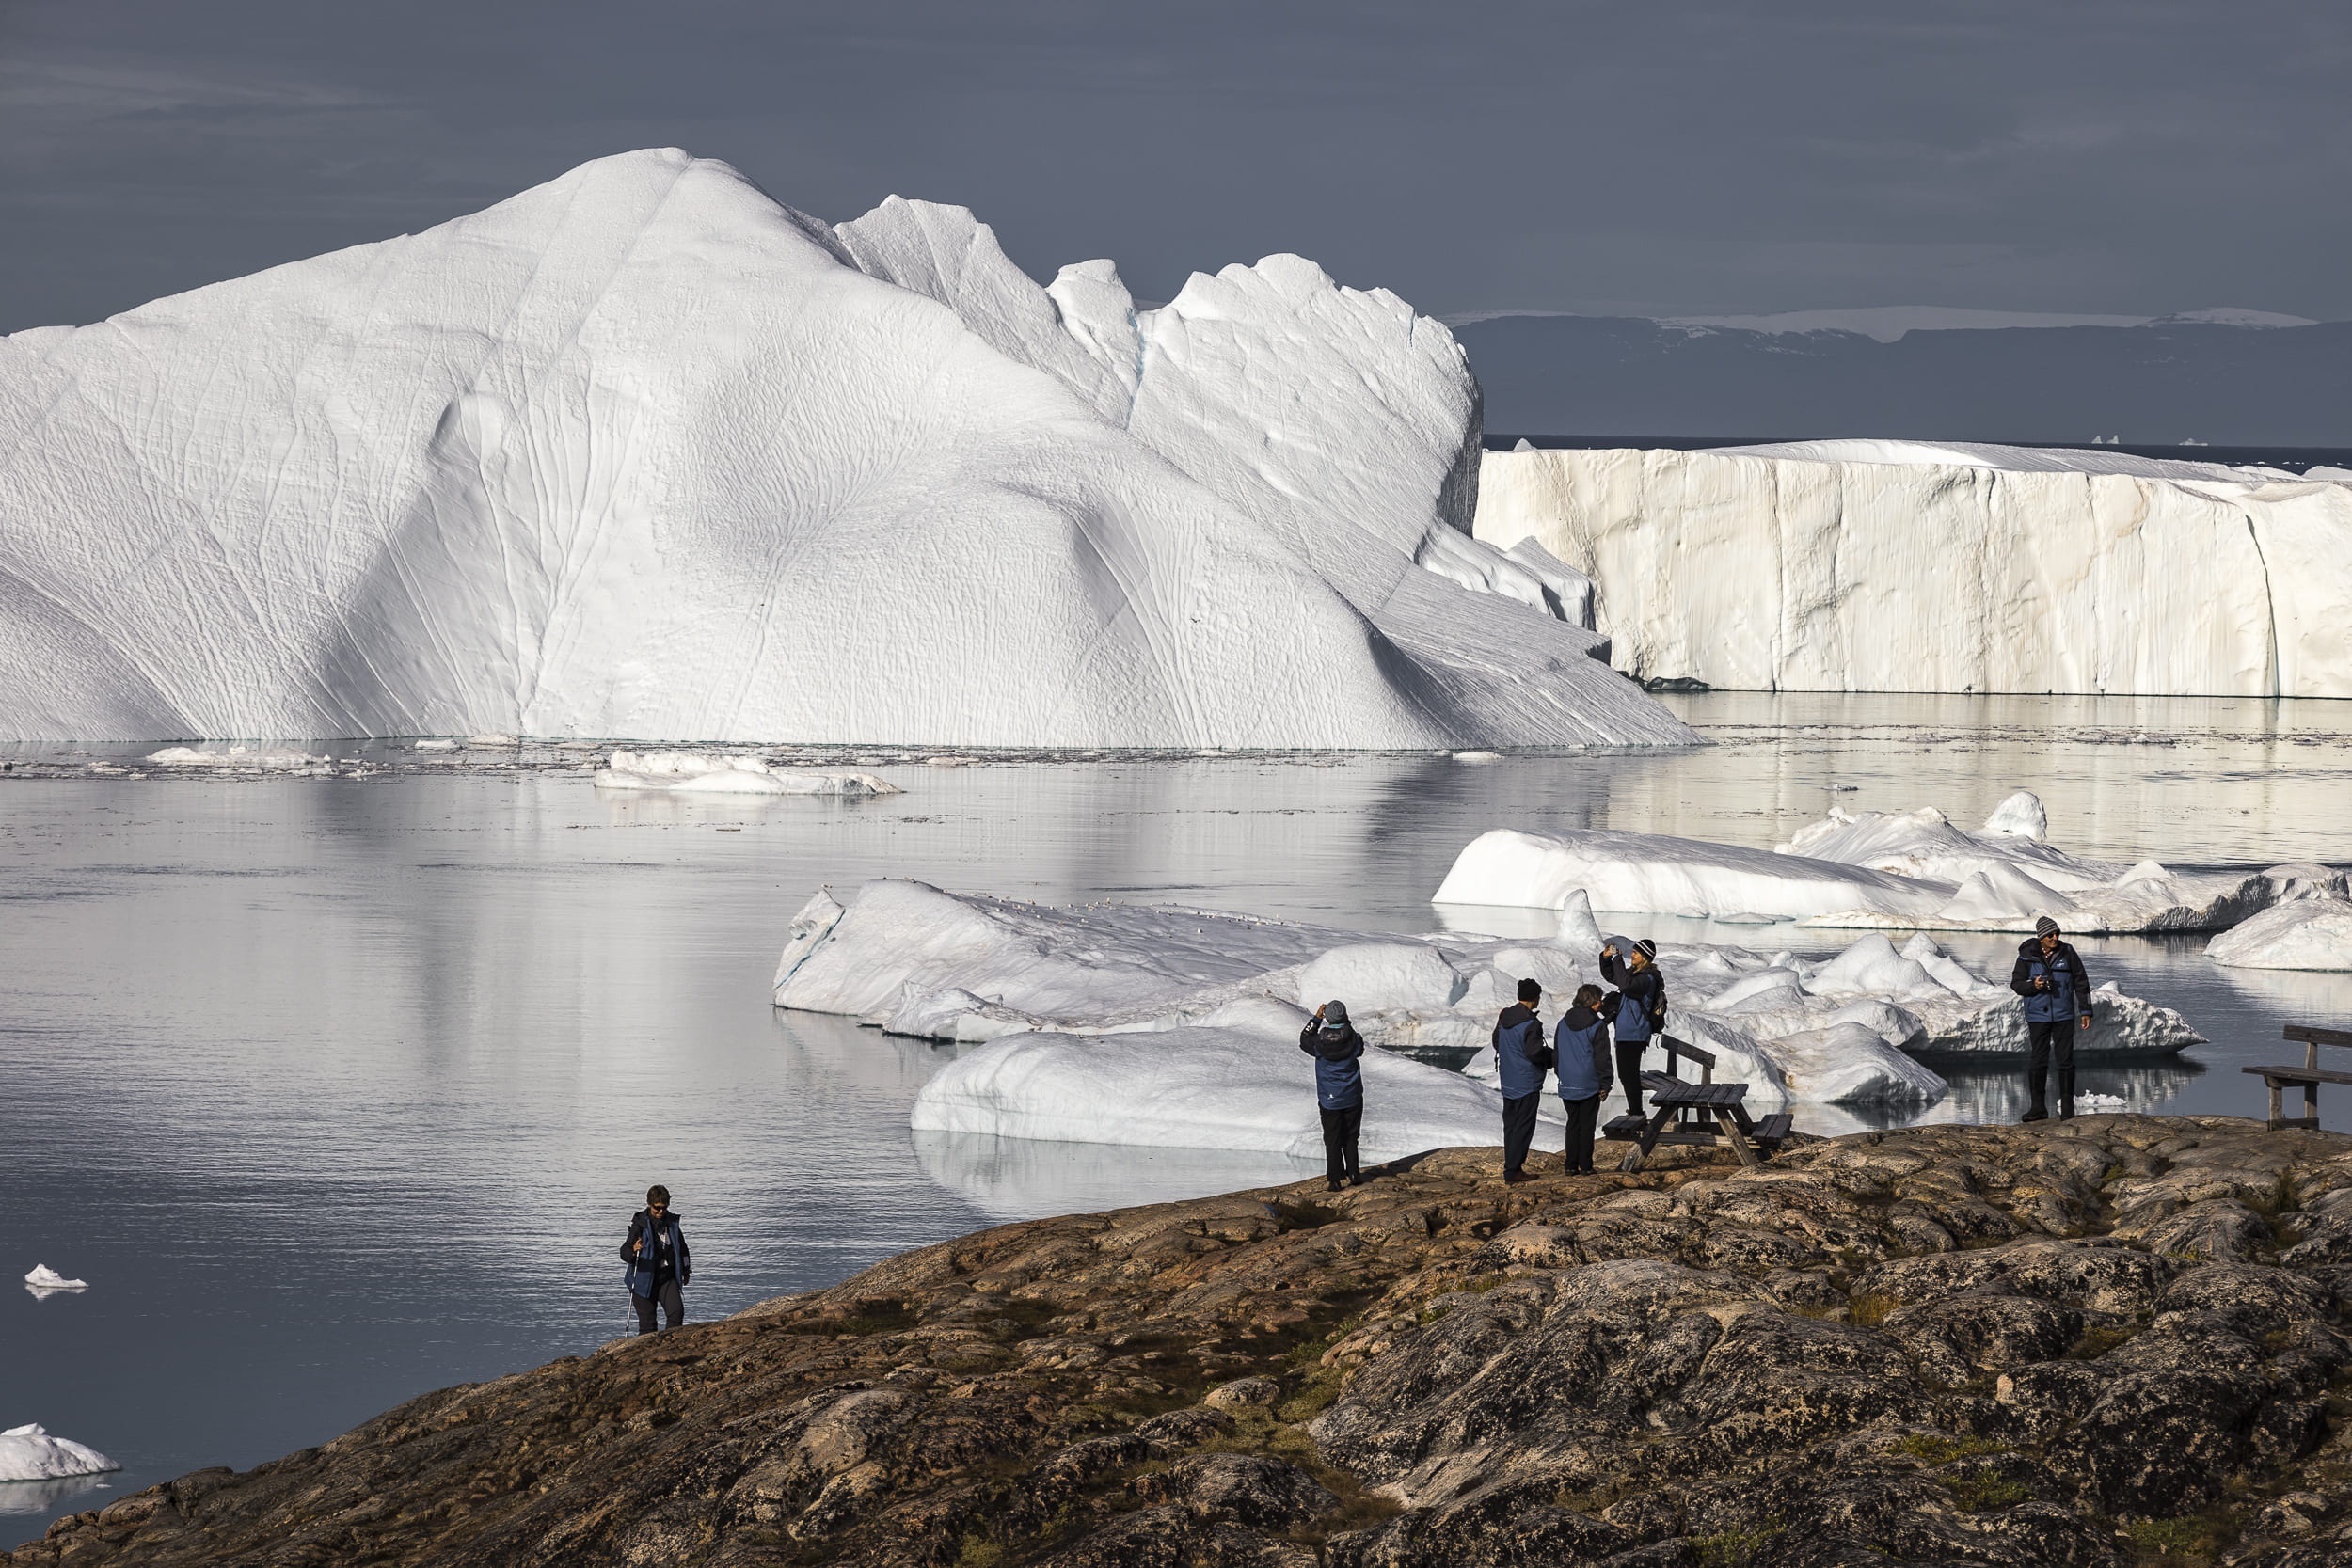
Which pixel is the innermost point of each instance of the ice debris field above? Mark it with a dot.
(1151, 1024)
(1895, 870)
(1877, 565)
(709, 773)
(29, 1453)
(642, 453)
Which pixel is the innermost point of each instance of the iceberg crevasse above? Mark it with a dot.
(642, 453)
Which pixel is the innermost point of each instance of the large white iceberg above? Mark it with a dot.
(29, 1453)
(1897, 870)
(2314, 933)
(1172, 994)
(642, 453)
(1912, 567)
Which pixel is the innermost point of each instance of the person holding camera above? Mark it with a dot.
(1338, 1051)
(2049, 975)
(1637, 1011)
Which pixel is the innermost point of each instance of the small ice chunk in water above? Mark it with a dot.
(29, 1453)
(43, 1279)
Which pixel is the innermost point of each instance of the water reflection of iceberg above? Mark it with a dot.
(1979, 1094)
(43, 1497)
(1020, 1178)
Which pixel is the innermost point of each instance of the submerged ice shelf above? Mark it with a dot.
(642, 453)
(1897, 870)
(1156, 1024)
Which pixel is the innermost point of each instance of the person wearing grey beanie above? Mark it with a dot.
(2049, 975)
(1338, 1051)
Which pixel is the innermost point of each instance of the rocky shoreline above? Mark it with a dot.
(2112, 1342)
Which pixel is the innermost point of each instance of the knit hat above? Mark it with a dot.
(1649, 948)
(1335, 1016)
(2045, 926)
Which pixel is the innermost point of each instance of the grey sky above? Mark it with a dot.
(2133, 156)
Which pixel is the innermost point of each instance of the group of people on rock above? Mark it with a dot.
(1600, 1029)
(2048, 974)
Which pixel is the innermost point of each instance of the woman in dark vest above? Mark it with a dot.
(659, 1266)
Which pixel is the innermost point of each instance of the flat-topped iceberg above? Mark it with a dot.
(1947, 566)
(717, 773)
(1897, 870)
(2313, 933)
(29, 1453)
(1179, 992)
(642, 453)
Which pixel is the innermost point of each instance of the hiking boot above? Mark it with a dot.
(1357, 1181)
(2036, 1112)
(1334, 1185)
(1513, 1178)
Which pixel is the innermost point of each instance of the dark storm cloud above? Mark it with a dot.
(2128, 156)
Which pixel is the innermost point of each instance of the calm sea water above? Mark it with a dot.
(338, 1091)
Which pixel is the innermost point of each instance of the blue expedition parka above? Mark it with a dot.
(1339, 1081)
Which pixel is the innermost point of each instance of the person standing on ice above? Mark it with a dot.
(2049, 975)
(659, 1266)
(1640, 1007)
(1338, 1051)
(1580, 1048)
(1520, 1059)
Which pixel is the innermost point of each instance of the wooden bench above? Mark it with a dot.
(1687, 1113)
(2309, 1075)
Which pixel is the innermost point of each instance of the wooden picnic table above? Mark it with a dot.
(1687, 1113)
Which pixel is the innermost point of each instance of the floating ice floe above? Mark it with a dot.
(236, 756)
(1878, 565)
(2311, 933)
(642, 453)
(29, 1453)
(1895, 870)
(46, 1281)
(1184, 990)
(1202, 1089)
(713, 773)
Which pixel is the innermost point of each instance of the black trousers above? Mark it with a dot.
(2051, 1043)
(1629, 1071)
(1340, 1129)
(667, 1296)
(1583, 1115)
(1518, 1130)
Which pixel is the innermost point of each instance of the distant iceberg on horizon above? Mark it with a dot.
(642, 453)
(1955, 566)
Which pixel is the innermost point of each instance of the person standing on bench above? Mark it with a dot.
(1640, 1009)
(1521, 1060)
(1581, 1045)
(2049, 975)
(1338, 1051)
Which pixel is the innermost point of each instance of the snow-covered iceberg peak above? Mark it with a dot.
(642, 453)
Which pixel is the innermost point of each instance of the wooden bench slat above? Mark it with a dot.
(2300, 1074)
(2310, 1034)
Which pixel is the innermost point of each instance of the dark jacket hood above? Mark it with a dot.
(1518, 1012)
(1580, 1018)
(2031, 947)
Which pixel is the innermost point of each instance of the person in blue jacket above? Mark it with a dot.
(1338, 1051)
(1638, 1010)
(1521, 1058)
(2049, 975)
(658, 1263)
(1581, 1049)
